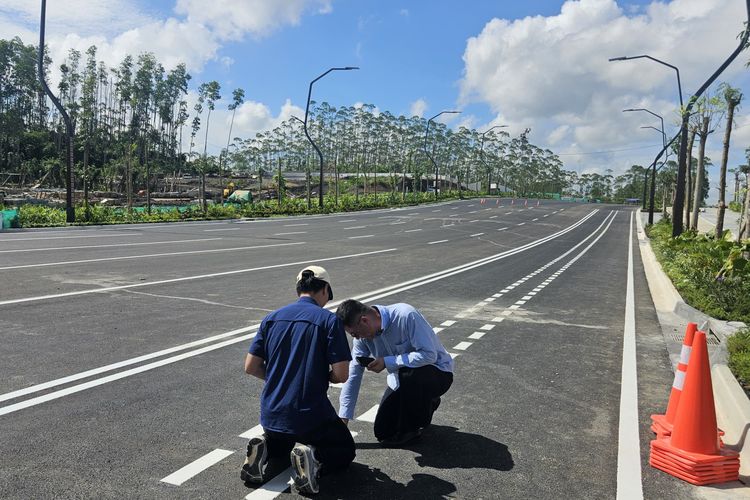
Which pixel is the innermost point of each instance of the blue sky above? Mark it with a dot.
(540, 64)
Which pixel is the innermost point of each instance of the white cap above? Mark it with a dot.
(318, 272)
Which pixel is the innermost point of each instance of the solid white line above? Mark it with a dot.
(461, 346)
(477, 335)
(436, 242)
(251, 433)
(71, 237)
(629, 481)
(292, 232)
(81, 247)
(224, 229)
(477, 234)
(363, 236)
(148, 256)
(369, 415)
(272, 488)
(196, 467)
(412, 230)
(190, 278)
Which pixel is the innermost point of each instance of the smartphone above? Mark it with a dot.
(364, 360)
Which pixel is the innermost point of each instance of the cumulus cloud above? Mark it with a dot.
(552, 73)
(418, 108)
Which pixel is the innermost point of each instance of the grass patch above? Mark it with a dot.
(738, 346)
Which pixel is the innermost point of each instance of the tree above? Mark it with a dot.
(208, 93)
(732, 98)
(238, 97)
(709, 110)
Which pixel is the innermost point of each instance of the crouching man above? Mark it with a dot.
(420, 370)
(293, 351)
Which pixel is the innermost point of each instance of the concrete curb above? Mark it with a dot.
(732, 405)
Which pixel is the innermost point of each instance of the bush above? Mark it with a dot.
(735, 206)
(738, 346)
(710, 274)
(40, 216)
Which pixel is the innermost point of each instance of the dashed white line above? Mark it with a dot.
(477, 335)
(489, 299)
(69, 237)
(293, 225)
(196, 467)
(369, 415)
(437, 329)
(363, 236)
(514, 307)
(497, 295)
(449, 322)
(462, 346)
(526, 297)
(493, 217)
(251, 433)
(498, 319)
(347, 220)
(477, 234)
(534, 220)
(502, 229)
(291, 232)
(272, 488)
(354, 227)
(224, 229)
(412, 230)
(487, 327)
(436, 242)
(81, 247)
(520, 224)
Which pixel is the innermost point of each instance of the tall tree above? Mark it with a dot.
(732, 98)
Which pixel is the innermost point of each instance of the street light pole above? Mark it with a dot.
(481, 157)
(70, 213)
(307, 134)
(427, 130)
(653, 166)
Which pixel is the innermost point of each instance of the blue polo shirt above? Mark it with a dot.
(299, 342)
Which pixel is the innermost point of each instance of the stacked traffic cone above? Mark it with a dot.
(693, 452)
(662, 424)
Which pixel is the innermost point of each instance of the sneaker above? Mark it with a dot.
(255, 464)
(305, 469)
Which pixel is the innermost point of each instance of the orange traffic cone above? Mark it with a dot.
(693, 452)
(662, 424)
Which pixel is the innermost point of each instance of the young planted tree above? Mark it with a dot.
(732, 98)
(208, 93)
(238, 97)
(709, 110)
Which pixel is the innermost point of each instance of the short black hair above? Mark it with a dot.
(350, 310)
(309, 283)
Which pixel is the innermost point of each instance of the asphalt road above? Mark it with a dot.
(121, 372)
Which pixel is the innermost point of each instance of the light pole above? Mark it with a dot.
(653, 166)
(307, 168)
(70, 213)
(428, 153)
(307, 134)
(481, 157)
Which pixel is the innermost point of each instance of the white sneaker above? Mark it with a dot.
(254, 468)
(305, 468)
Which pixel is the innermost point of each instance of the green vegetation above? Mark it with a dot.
(734, 206)
(41, 216)
(738, 346)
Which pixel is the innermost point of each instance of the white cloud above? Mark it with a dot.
(230, 19)
(552, 73)
(418, 108)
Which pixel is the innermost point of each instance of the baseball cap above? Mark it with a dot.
(321, 274)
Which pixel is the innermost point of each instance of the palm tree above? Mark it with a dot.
(732, 97)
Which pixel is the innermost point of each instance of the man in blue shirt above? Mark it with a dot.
(293, 350)
(420, 370)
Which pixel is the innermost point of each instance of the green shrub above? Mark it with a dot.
(738, 346)
(40, 216)
(735, 206)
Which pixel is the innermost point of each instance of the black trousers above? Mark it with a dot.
(411, 406)
(333, 443)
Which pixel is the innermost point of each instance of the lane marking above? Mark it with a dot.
(498, 319)
(292, 232)
(190, 278)
(438, 329)
(272, 488)
(497, 295)
(196, 467)
(454, 354)
(477, 335)
(462, 346)
(251, 433)
(489, 299)
(502, 229)
(493, 217)
(113, 235)
(347, 220)
(293, 225)
(224, 229)
(487, 327)
(629, 481)
(363, 236)
(436, 242)
(477, 234)
(534, 220)
(412, 230)
(448, 322)
(369, 415)
(82, 247)
(520, 224)
(148, 256)
(354, 227)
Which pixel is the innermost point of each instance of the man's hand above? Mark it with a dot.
(377, 366)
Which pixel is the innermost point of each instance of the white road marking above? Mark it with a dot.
(629, 481)
(454, 354)
(546, 215)
(436, 242)
(534, 220)
(497, 295)
(526, 297)
(493, 217)
(502, 229)
(196, 467)
(292, 232)
(473, 211)
(462, 346)
(251, 433)
(477, 335)
(489, 299)
(520, 224)
(224, 229)
(477, 234)
(514, 307)
(347, 220)
(498, 319)
(436, 210)
(412, 230)
(363, 236)
(272, 488)
(448, 322)
(81, 247)
(508, 213)
(437, 329)
(531, 294)
(189, 278)
(520, 302)
(354, 227)
(71, 237)
(293, 225)
(487, 327)
(147, 256)
(369, 415)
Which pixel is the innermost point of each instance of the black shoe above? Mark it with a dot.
(435, 404)
(401, 439)
(254, 468)
(305, 469)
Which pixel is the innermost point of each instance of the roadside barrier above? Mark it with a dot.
(694, 452)
(662, 424)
